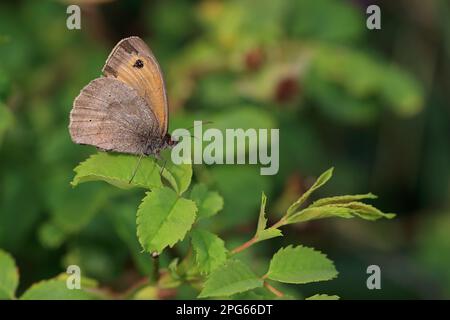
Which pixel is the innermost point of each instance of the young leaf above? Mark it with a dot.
(300, 265)
(366, 211)
(56, 289)
(261, 232)
(230, 278)
(319, 213)
(208, 202)
(342, 199)
(268, 234)
(117, 169)
(210, 251)
(163, 218)
(178, 175)
(262, 220)
(9, 276)
(324, 177)
(344, 210)
(323, 297)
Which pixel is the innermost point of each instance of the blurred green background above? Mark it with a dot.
(374, 104)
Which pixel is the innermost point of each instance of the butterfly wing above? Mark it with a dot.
(132, 62)
(112, 116)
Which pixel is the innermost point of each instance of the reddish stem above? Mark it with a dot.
(244, 246)
(276, 292)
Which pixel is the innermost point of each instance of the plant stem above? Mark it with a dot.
(155, 274)
(276, 292)
(244, 246)
(279, 223)
(254, 239)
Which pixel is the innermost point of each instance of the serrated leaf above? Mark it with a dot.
(163, 219)
(56, 289)
(117, 169)
(342, 199)
(208, 202)
(178, 175)
(262, 220)
(230, 278)
(261, 232)
(319, 213)
(366, 211)
(323, 297)
(268, 234)
(210, 251)
(300, 265)
(342, 210)
(9, 276)
(324, 177)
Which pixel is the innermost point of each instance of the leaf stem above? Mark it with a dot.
(155, 273)
(244, 246)
(253, 240)
(276, 292)
(280, 222)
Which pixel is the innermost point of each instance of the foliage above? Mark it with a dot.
(165, 217)
(371, 103)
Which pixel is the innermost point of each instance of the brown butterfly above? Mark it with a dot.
(126, 110)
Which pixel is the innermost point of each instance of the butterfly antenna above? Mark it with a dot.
(136, 168)
(190, 136)
(200, 124)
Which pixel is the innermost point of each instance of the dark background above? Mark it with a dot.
(373, 104)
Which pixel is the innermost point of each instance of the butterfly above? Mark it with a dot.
(126, 109)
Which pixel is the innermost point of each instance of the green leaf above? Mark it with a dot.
(163, 218)
(342, 199)
(117, 169)
(342, 210)
(208, 202)
(262, 220)
(323, 297)
(9, 276)
(230, 278)
(178, 175)
(319, 213)
(268, 234)
(366, 211)
(324, 177)
(56, 289)
(300, 265)
(210, 251)
(261, 232)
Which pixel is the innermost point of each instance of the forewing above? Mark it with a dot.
(112, 116)
(132, 62)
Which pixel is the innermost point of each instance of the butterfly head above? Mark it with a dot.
(169, 141)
